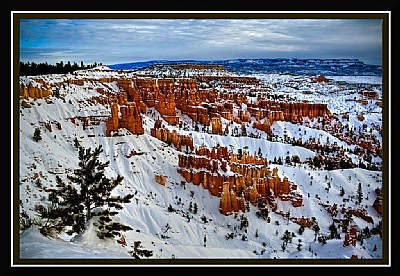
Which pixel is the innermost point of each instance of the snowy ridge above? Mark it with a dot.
(343, 67)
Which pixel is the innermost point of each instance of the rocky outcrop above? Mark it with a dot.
(181, 142)
(350, 236)
(305, 222)
(360, 213)
(161, 179)
(287, 111)
(263, 125)
(216, 125)
(231, 202)
(131, 119)
(320, 78)
(165, 105)
(34, 90)
(249, 178)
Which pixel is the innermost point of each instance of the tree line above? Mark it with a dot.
(33, 69)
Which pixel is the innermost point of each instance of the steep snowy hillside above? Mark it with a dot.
(181, 232)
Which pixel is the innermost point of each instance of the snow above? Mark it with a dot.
(147, 213)
(358, 79)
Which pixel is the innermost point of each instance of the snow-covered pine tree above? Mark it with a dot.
(88, 195)
(37, 136)
(138, 251)
(359, 193)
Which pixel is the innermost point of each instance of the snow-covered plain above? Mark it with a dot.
(170, 235)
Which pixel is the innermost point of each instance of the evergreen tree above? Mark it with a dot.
(51, 220)
(301, 229)
(283, 246)
(138, 252)
(244, 222)
(359, 193)
(37, 136)
(87, 196)
(263, 210)
(316, 231)
(76, 143)
(334, 231)
(341, 191)
(299, 245)
(170, 208)
(287, 236)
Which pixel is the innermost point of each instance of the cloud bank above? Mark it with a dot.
(112, 41)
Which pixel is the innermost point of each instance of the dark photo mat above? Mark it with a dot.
(213, 263)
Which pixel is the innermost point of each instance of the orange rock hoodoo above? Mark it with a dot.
(131, 119)
(351, 236)
(268, 111)
(35, 90)
(216, 125)
(208, 106)
(179, 141)
(249, 179)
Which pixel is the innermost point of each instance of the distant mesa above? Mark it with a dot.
(272, 65)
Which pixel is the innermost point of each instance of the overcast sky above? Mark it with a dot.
(112, 41)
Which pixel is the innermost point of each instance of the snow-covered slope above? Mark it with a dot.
(183, 234)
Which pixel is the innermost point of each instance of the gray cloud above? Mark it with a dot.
(124, 40)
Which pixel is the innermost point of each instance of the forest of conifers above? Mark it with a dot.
(33, 69)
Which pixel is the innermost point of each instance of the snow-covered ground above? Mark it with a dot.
(171, 235)
(358, 79)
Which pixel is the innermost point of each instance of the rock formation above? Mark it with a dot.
(350, 236)
(161, 179)
(180, 141)
(34, 90)
(249, 178)
(216, 125)
(130, 119)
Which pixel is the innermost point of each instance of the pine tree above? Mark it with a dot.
(299, 245)
(333, 230)
(138, 252)
(316, 231)
(87, 195)
(51, 219)
(287, 237)
(359, 193)
(301, 229)
(170, 208)
(76, 143)
(37, 136)
(244, 222)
